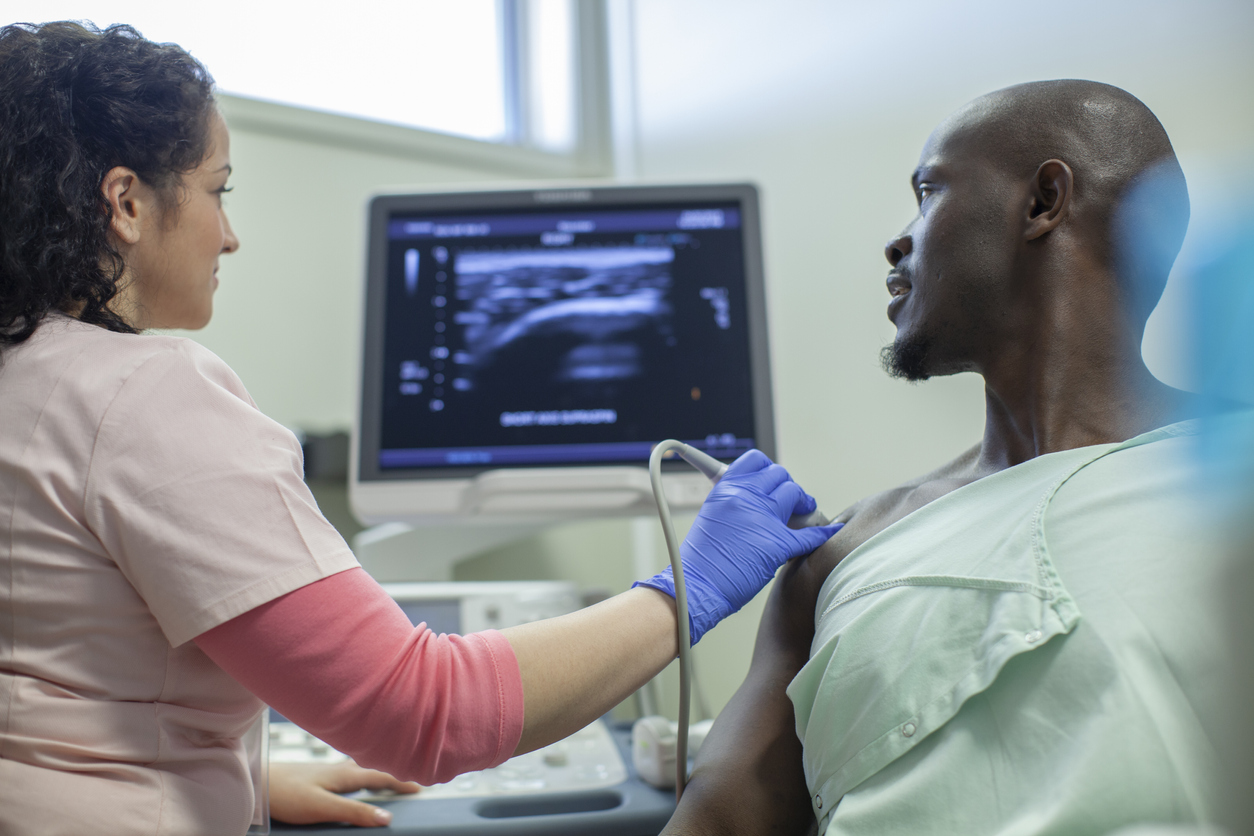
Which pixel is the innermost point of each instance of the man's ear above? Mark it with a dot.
(129, 200)
(1050, 196)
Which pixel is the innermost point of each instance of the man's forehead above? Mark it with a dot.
(963, 138)
(941, 153)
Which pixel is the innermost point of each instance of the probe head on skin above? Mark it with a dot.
(815, 517)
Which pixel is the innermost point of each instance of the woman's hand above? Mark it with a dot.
(739, 539)
(305, 793)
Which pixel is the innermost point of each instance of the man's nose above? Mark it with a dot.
(898, 248)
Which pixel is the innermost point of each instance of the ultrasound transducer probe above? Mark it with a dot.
(713, 469)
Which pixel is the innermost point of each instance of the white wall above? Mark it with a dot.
(825, 105)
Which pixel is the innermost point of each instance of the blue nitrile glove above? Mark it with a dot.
(740, 538)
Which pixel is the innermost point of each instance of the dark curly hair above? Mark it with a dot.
(76, 101)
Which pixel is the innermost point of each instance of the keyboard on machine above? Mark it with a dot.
(588, 759)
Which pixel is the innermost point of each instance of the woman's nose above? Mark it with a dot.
(229, 242)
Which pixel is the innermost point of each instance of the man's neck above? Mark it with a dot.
(1060, 400)
(1065, 369)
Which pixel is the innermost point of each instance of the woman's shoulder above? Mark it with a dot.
(72, 390)
(60, 331)
(94, 364)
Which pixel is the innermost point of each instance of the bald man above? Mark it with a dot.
(1018, 642)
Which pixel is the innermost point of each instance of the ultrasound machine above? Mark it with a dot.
(523, 353)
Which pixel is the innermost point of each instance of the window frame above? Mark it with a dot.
(591, 154)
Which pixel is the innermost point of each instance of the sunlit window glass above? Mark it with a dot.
(431, 64)
(553, 74)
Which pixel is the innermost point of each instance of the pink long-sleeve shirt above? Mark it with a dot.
(340, 659)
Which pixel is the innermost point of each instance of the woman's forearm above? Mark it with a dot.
(577, 667)
(340, 659)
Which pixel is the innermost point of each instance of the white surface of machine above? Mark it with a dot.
(469, 607)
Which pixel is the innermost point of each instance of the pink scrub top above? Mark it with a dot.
(144, 500)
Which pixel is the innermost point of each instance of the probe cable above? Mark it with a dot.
(714, 470)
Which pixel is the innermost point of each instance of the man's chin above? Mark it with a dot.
(907, 359)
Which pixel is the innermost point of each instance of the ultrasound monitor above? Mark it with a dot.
(525, 350)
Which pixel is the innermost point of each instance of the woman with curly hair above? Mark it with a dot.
(163, 567)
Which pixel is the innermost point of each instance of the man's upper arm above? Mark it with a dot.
(749, 777)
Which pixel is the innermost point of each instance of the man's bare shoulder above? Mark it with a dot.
(871, 515)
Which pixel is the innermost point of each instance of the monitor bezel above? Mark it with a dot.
(383, 207)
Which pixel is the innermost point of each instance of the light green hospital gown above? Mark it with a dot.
(1034, 653)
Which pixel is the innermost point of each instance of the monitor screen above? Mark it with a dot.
(572, 327)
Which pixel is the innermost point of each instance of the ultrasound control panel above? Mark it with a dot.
(584, 784)
(587, 760)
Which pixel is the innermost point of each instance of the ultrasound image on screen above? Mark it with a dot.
(562, 346)
(595, 297)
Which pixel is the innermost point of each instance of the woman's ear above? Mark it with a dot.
(1050, 195)
(129, 199)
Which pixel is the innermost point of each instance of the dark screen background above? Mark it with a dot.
(649, 324)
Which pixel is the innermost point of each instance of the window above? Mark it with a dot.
(502, 71)
(540, 73)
